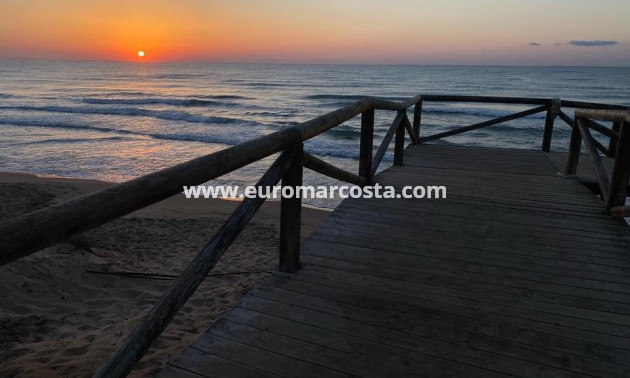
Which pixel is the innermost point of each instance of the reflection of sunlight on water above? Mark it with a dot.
(50, 128)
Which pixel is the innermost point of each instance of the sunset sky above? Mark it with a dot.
(531, 32)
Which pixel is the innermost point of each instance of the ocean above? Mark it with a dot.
(116, 121)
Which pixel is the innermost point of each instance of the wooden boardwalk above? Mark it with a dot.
(517, 273)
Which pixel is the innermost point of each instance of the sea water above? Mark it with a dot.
(116, 121)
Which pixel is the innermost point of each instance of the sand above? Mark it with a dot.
(58, 317)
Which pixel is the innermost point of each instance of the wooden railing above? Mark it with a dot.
(613, 189)
(31, 232)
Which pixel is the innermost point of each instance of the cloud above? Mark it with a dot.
(534, 44)
(593, 43)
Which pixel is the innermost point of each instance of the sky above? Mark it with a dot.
(499, 32)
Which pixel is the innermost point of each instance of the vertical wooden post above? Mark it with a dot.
(612, 145)
(575, 144)
(367, 144)
(291, 215)
(552, 111)
(399, 143)
(621, 169)
(417, 119)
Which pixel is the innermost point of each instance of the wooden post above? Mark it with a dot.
(590, 146)
(367, 144)
(575, 144)
(552, 112)
(621, 169)
(417, 119)
(399, 144)
(612, 145)
(156, 320)
(291, 215)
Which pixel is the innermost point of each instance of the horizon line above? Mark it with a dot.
(305, 63)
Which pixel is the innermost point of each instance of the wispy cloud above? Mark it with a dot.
(534, 44)
(593, 43)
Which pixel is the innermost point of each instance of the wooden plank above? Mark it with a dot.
(258, 357)
(427, 321)
(196, 363)
(575, 292)
(386, 141)
(584, 172)
(492, 247)
(410, 131)
(318, 125)
(487, 99)
(615, 114)
(320, 166)
(511, 275)
(433, 311)
(295, 340)
(621, 169)
(601, 128)
(600, 171)
(592, 105)
(469, 258)
(174, 372)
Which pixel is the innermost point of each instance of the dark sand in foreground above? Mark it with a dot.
(58, 319)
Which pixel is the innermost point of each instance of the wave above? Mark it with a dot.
(6, 95)
(76, 140)
(227, 138)
(150, 100)
(129, 111)
(226, 97)
(344, 132)
(62, 125)
(339, 97)
(265, 85)
(175, 76)
(321, 147)
(279, 114)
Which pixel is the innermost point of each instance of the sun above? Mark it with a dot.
(141, 53)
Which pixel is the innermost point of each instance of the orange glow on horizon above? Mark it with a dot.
(326, 31)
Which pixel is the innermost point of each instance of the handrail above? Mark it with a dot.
(484, 124)
(34, 231)
(605, 114)
(318, 165)
(163, 312)
(387, 140)
(591, 149)
(614, 190)
(488, 99)
(31, 232)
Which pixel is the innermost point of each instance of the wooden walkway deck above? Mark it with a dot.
(517, 273)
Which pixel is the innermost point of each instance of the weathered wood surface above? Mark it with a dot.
(517, 273)
(585, 171)
(481, 125)
(158, 318)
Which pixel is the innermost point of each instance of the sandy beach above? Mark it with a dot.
(66, 308)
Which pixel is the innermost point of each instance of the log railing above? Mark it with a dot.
(31, 232)
(613, 189)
